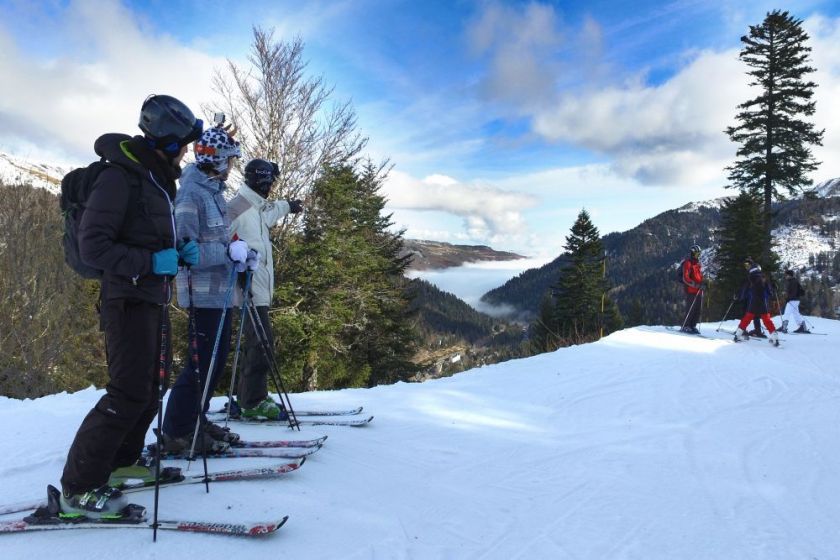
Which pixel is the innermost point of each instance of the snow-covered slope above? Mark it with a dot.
(715, 203)
(828, 188)
(648, 444)
(794, 244)
(16, 170)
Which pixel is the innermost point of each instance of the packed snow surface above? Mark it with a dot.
(649, 444)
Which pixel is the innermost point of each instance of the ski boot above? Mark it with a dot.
(267, 409)
(235, 409)
(741, 334)
(802, 329)
(220, 434)
(757, 334)
(105, 502)
(181, 445)
(54, 512)
(783, 328)
(142, 473)
(774, 338)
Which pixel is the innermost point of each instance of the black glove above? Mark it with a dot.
(295, 206)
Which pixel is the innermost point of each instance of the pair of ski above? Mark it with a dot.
(46, 515)
(679, 330)
(285, 449)
(221, 415)
(764, 338)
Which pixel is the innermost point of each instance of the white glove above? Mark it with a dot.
(253, 260)
(238, 251)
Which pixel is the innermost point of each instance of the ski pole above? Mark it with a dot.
(274, 370)
(725, 315)
(262, 337)
(690, 308)
(163, 373)
(214, 355)
(193, 335)
(778, 304)
(249, 274)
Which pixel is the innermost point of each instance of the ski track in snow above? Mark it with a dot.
(646, 445)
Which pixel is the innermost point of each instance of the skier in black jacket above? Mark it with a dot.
(128, 232)
(757, 307)
(793, 291)
(745, 296)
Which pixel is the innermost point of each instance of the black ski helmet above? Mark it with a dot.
(260, 174)
(694, 249)
(168, 124)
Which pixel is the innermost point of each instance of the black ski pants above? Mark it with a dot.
(693, 304)
(182, 406)
(253, 383)
(113, 433)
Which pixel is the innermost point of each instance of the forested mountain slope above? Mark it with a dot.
(640, 262)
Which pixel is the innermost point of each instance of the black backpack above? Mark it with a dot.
(680, 270)
(76, 188)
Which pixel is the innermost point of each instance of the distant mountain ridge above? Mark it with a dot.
(428, 255)
(639, 258)
(16, 170)
(641, 261)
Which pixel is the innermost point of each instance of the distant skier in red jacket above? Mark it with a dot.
(692, 279)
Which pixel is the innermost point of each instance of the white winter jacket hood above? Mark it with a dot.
(251, 216)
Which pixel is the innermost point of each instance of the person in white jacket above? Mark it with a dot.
(252, 214)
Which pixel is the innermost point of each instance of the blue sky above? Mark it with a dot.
(503, 119)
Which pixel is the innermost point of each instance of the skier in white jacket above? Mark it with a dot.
(252, 214)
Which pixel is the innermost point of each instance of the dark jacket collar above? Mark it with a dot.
(135, 155)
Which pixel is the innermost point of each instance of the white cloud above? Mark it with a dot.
(825, 41)
(666, 134)
(107, 68)
(488, 213)
(518, 44)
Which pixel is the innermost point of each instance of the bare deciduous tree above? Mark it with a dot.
(284, 115)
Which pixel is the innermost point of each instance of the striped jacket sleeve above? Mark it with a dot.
(188, 211)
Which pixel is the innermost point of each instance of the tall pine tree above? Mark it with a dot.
(581, 309)
(774, 153)
(740, 236)
(343, 319)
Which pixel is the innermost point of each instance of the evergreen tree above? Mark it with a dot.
(774, 152)
(580, 292)
(741, 236)
(390, 340)
(343, 318)
(541, 336)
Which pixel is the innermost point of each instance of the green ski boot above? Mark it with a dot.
(267, 409)
(143, 472)
(104, 502)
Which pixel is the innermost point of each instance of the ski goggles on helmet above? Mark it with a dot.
(174, 145)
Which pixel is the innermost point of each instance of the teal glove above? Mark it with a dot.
(188, 253)
(165, 262)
